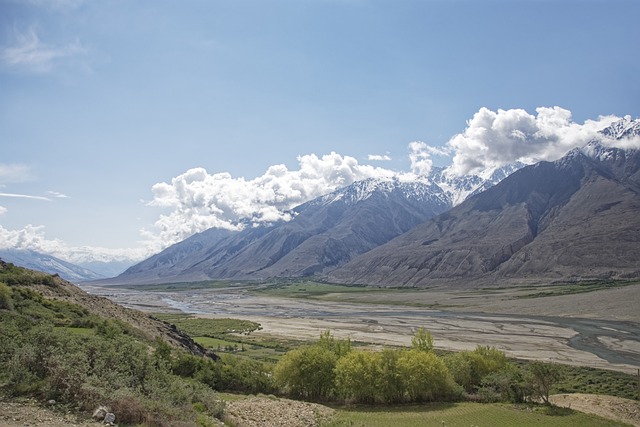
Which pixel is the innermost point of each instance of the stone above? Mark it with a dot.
(100, 413)
(110, 418)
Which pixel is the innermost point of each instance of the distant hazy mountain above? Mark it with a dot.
(106, 268)
(49, 264)
(575, 218)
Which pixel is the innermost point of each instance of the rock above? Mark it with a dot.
(109, 418)
(51, 402)
(100, 413)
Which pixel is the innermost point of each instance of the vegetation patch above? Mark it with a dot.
(213, 328)
(185, 286)
(463, 414)
(571, 288)
(314, 290)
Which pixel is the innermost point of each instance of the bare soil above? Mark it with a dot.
(23, 413)
(275, 412)
(614, 408)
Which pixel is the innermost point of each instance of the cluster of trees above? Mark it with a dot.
(331, 369)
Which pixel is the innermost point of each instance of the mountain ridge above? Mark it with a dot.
(572, 219)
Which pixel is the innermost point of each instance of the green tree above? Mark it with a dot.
(338, 347)
(460, 368)
(422, 340)
(390, 384)
(542, 376)
(358, 376)
(307, 372)
(506, 385)
(470, 367)
(425, 376)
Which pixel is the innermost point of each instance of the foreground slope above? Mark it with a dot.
(576, 218)
(56, 288)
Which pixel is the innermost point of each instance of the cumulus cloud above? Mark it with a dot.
(420, 157)
(33, 238)
(200, 200)
(378, 157)
(28, 52)
(493, 139)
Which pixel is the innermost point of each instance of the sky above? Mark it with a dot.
(126, 126)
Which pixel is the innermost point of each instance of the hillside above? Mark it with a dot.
(57, 289)
(575, 218)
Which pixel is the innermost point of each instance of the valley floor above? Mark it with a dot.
(596, 329)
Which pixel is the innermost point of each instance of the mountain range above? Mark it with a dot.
(325, 233)
(574, 218)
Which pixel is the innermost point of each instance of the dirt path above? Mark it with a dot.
(614, 408)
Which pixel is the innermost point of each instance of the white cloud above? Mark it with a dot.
(420, 156)
(33, 238)
(200, 200)
(493, 139)
(3, 210)
(24, 196)
(14, 173)
(28, 52)
(378, 157)
(57, 195)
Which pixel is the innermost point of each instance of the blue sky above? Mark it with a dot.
(105, 106)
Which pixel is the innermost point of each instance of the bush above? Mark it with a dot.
(307, 372)
(5, 297)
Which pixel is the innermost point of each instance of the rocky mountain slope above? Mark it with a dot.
(575, 218)
(324, 233)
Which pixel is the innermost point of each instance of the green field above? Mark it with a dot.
(312, 289)
(558, 289)
(464, 415)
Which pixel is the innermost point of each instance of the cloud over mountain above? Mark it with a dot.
(493, 139)
(200, 200)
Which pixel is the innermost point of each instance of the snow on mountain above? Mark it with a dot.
(624, 128)
(421, 190)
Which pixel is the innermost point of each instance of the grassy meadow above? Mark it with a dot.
(465, 414)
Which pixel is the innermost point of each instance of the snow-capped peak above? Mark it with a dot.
(459, 188)
(623, 128)
(362, 190)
